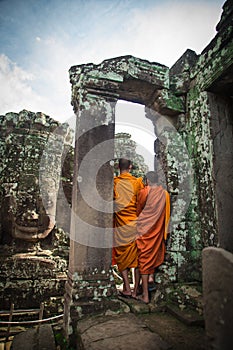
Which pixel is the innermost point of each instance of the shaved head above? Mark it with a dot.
(124, 164)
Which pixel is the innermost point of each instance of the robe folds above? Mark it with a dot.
(126, 188)
(153, 209)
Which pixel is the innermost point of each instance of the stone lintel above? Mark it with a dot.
(121, 68)
(119, 77)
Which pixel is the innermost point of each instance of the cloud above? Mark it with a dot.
(163, 32)
(160, 33)
(17, 92)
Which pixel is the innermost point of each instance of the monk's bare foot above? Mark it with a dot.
(125, 294)
(143, 299)
(134, 295)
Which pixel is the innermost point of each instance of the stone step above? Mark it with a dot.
(187, 316)
(186, 297)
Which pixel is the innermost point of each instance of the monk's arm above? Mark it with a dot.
(141, 200)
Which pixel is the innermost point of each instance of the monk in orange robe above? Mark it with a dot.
(126, 188)
(153, 210)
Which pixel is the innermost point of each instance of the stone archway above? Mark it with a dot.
(95, 91)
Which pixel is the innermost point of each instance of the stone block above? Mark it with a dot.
(217, 295)
(124, 332)
(36, 338)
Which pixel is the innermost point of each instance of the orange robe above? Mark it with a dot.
(126, 188)
(153, 209)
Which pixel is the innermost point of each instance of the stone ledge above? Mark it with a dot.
(188, 317)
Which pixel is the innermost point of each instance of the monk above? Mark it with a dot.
(153, 210)
(126, 188)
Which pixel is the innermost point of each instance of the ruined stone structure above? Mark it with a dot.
(190, 105)
(95, 91)
(34, 251)
(125, 146)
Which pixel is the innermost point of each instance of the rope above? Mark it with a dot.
(32, 321)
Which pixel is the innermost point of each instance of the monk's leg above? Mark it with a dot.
(136, 281)
(145, 293)
(126, 285)
(151, 282)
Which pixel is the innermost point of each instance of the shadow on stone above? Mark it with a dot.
(41, 337)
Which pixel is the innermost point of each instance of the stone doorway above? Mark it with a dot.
(221, 107)
(95, 92)
(96, 89)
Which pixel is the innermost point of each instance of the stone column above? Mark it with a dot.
(218, 302)
(90, 287)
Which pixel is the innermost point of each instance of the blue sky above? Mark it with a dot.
(41, 39)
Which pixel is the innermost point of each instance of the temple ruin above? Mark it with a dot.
(34, 251)
(190, 106)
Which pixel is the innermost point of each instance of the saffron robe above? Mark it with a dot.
(126, 188)
(153, 208)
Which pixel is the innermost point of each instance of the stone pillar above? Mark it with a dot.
(90, 286)
(218, 302)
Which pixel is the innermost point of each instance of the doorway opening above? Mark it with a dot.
(134, 137)
(134, 140)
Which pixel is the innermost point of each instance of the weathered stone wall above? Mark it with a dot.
(201, 149)
(221, 108)
(207, 129)
(213, 80)
(34, 251)
(204, 83)
(174, 160)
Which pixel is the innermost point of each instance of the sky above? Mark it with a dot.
(41, 39)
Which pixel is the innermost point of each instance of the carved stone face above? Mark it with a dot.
(25, 215)
(30, 175)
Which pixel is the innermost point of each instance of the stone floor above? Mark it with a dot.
(143, 327)
(178, 335)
